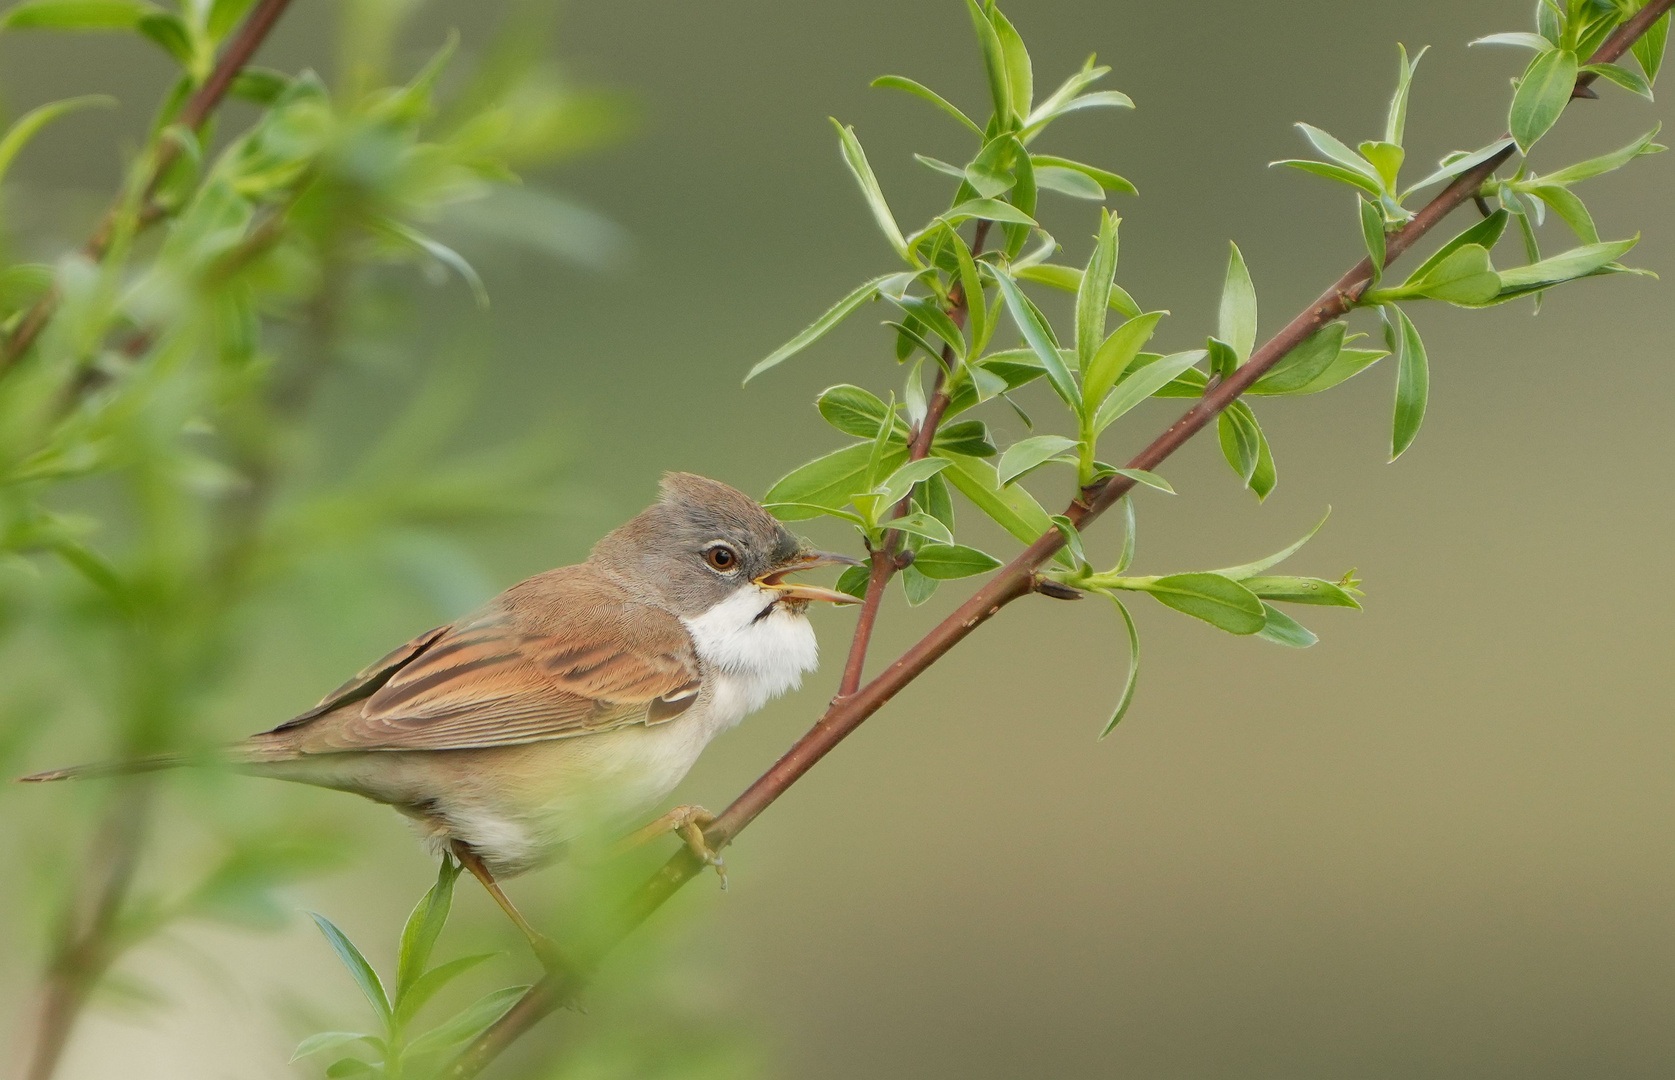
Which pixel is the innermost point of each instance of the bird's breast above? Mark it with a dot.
(752, 649)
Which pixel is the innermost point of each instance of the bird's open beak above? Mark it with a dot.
(808, 560)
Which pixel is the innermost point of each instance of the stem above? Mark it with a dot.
(886, 561)
(1017, 578)
(193, 115)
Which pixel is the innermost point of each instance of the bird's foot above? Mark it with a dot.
(689, 823)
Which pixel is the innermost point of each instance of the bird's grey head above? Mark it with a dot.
(701, 542)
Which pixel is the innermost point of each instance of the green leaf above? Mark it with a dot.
(1142, 384)
(968, 437)
(1303, 364)
(1130, 534)
(223, 16)
(1039, 338)
(988, 210)
(1072, 182)
(1089, 74)
(1252, 569)
(169, 33)
(1386, 159)
(1521, 40)
(852, 410)
(1395, 124)
(971, 287)
(419, 934)
(264, 86)
(1569, 208)
(1632, 81)
(1237, 322)
(359, 969)
(1104, 99)
(1338, 152)
(1223, 360)
(1464, 278)
(1133, 679)
(1650, 48)
(426, 986)
(899, 82)
(30, 123)
(1072, 538)
(443, 254)
(946, 562)
(1349, 363)
(1246, 448)
(1013, 508)
(920, 523)
(1093, 297)
(1413, 384)
(1542, 95)
(1458, 163)
(856, 159)
(943, 167)
(1549, 20)
(1372, 234)
(928, 312)
(917, 587)
(994, 170)
(468, 1023)
(1484, 234)
(1223, 603)
(820, 327)
(798, 511)
(76, 15)
(1069, 279)
(328, 1040)
(1109, 181)
(1111, 359)
(831, 480)
(901, 481)
(1575, 263)
(853, 581)
(1301, 590)
(1334, 172)
(1022, 457)
(348, 1067)
(1282, 629)
(1020, 76)
(1150, 479)
(1598, 166)
(994, 65)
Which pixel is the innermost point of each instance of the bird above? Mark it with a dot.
(577, 699)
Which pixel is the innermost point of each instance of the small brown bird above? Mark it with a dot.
(572, 701)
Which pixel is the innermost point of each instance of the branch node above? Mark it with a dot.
(1055, 589)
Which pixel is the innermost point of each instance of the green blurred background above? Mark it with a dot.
(1439, 843)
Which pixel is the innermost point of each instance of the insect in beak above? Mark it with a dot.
(808, 560)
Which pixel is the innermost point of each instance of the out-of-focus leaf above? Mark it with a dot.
(428, 985)
(423, 926)
(328, 1040)
(917, 89)
(466, 1024)
(1542, 95)
(76, 14)
(348, 1067)
(169, 33)
(820, 327)
(1219, 601)
(224, 15)
(31, 122)
(259, 84)
(444, 255)
(544, 223)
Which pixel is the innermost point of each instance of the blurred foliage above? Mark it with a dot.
(163, 466)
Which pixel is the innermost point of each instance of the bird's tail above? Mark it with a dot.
(102, 769)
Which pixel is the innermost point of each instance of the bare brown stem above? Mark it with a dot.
(1017, 578)
(197, 109)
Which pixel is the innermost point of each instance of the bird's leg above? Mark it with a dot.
(545, 949)
(689, 822)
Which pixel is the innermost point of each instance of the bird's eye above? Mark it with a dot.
(721, 557)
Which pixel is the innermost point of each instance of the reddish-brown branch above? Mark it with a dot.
(193, 114)
(1017, 578)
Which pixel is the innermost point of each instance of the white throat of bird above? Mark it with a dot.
(756, 646)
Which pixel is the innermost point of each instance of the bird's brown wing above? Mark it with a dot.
(498, 679)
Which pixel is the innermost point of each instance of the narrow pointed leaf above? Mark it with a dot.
(831, 480)
(1303, 364)
(947, 562)
(1113, 357)
(1484, 234)
(1110, 181)
(1222, 603)
(1013, 508)
(328, 1040)
(30, 123)
(1021, 457)
(1456, 164)
(1572, 264)
(1542, 96)
(1150, 479)
(1132, 680)
(1413, 385)
(361, 971)
(423, 926)
(989, 210)
(1252, 569)
(1237, 322)
(856, 159)
(428, 985)
(1020, 77)
(1094, 294)
(1372, 234)
(1598, 166)
(1570, 209)
(1301, 590)
(920, 90)
(1395, 124)
(1282, 629)
(466, 1024)
(1142, 384)
(1650, 48)
(1335, 172)
(820, 327)
(994, 63)
(1040, 339)
(901, 481)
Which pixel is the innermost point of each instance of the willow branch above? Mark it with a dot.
(1016, 579)
(888, 560)
(193, 115)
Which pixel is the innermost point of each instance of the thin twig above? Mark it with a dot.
(192, 115)
(1015, 579)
